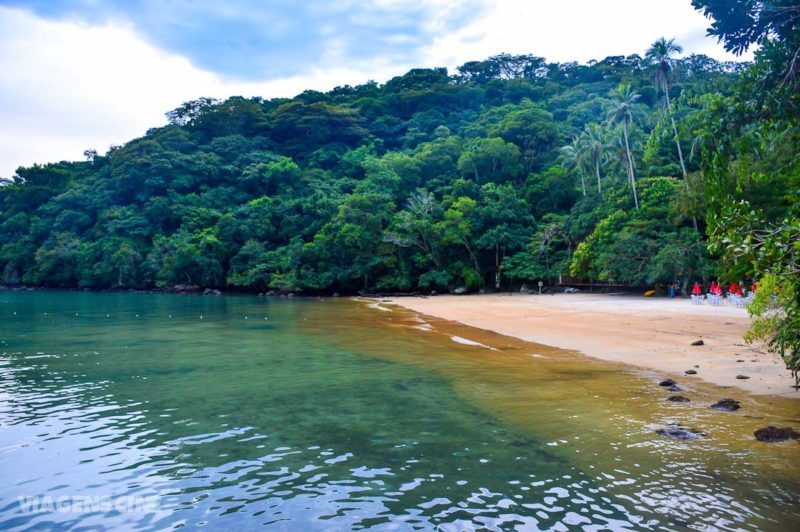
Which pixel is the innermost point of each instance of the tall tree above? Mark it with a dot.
(749, 160)
(623, 111)
(593, 148)
(660, 55)
(570, 157)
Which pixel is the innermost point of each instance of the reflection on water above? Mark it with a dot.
(332, 415)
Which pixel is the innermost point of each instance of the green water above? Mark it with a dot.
(240, 411)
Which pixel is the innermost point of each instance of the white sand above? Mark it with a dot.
(653, 333)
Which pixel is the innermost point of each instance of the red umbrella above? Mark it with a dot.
(696, 290)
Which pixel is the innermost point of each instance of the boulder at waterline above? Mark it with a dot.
(726, 405)
(679, 432)
(678, 399)
(774, 434)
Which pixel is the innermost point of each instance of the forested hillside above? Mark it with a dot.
(509, 170)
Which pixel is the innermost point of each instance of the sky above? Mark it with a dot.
(88, 74)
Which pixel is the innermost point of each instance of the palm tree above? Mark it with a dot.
(623, 111)
(660, 56)
(571, 160)
(592, 144)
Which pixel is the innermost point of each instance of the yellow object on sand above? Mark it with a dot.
(650, 293)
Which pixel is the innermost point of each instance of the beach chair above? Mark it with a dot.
(697, 299)
(736, 300)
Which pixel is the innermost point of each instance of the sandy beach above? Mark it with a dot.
(655, 334)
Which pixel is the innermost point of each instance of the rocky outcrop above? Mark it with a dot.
(678, 399)
(680, 433)
(774, 434)
(726, 405)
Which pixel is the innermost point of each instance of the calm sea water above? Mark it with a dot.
(156, 411)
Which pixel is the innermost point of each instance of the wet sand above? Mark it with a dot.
(654, 334)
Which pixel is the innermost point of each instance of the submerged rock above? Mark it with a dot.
(675, 388)
(690, 372)
(680, 433)
(726, 405)
(667, 382)
(698, 342)
(773, 434)
(742, 377)
(678, 399)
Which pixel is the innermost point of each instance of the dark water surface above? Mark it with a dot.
(239, 411)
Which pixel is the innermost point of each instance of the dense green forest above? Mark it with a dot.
(510, 170)
(634, 170)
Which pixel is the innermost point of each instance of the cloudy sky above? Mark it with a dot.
(80, 74)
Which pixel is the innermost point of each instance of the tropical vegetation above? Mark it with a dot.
(633, 170)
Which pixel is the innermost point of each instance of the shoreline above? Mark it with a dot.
(654, 334)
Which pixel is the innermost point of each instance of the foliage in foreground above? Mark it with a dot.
(748, 141)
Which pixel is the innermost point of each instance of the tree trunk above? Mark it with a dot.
(497, 267)
(583, 185)
(472, 256)
(630, 164)
(597, 173)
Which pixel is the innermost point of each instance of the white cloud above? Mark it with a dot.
(576, 30)
(68, 86)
